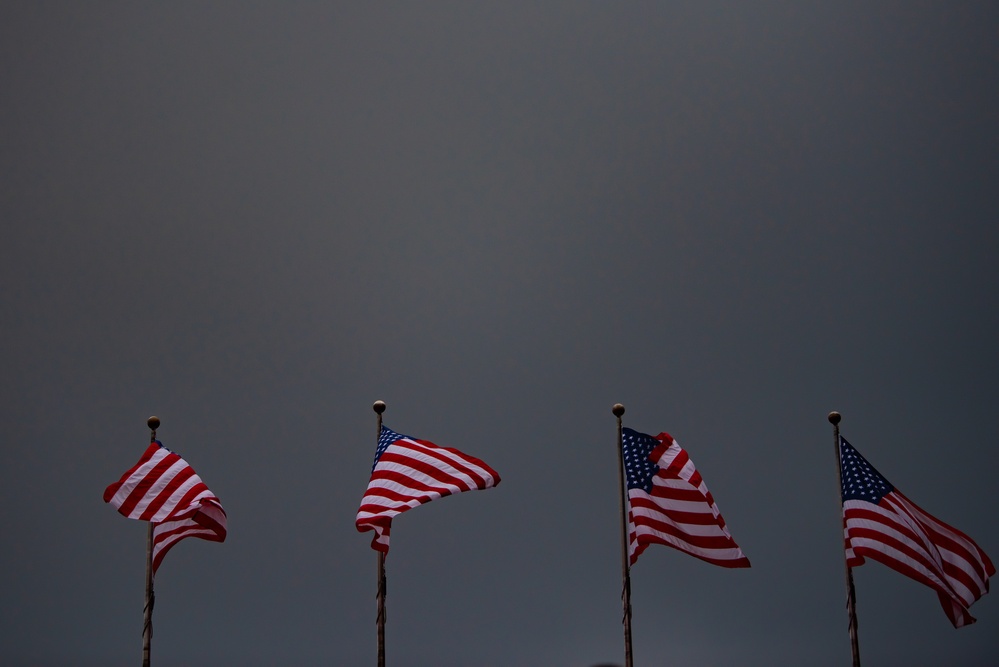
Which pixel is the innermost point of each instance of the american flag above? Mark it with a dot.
(882, 524)
(408, 472)
(163, 489)
(670, 504)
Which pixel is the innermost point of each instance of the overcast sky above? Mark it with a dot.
(253, 220)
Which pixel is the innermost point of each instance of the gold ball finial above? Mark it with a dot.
(618, 409)
(153, 423)
(378, 407)
(834, 417)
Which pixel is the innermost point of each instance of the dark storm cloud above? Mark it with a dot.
(255, 220)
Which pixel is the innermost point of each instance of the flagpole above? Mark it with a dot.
(618, 411)
(147, 615)
(851, 594)
(379, 408)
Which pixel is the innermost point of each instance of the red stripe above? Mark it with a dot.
(928, 519)
(674, 493)
(195, 526)
(702, 541)
(218, 531)
(163, 536)
(952, 573)
(910, 541)
(184, 506)
(420, 467)
(917, 548)
(466, 464)
(904, 548)
(674, 467)
(695, 518)
(373, 523)
(382, 526)
(951, 539)
(113, 488)
(390, 494)
(908, 571)
(946, 583)
(645, 540)
(166, 494)
(891, 521)
(965, 556)
(145, 483)
(409, 481)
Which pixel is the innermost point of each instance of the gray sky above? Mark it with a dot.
(253, 220)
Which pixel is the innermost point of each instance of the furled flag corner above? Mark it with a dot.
(670, 504)
(408, 472)
(164, 490)
(882, 524)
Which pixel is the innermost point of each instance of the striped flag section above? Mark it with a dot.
(882, 524)
(164, 490)
(407, 473)
(670, 504)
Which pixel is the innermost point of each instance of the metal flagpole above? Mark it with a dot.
(379, 408)
(851, 594)
(147, 618)
(618, 411)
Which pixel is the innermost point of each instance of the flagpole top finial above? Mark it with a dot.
(378, 407)
(153, 423)
(618, 409)
(834, 417)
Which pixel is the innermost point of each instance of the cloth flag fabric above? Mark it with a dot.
(408, 472)
(670, 504)
(164, 490)
(882, 524)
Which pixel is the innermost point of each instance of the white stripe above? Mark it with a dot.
(159, 485)
(126, 488)
(190, 508)
(925, 540)
(727, 553)
(874, 544)
(437, 491)
(963, 560)
(419, 453)
(694, 529)
(386, 505)
(690, 506)
(684, 505)
(924, 546)
(941, 555)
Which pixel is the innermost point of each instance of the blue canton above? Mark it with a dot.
(860, 480)
(635, 448)
(387, 437)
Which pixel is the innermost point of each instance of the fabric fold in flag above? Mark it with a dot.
(670, 504)
(164, 490)
(882, 524)
(407, 473)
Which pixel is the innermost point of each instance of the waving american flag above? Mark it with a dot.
(882, 524)
(670, 504)
(408, 472)
(164, 490)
